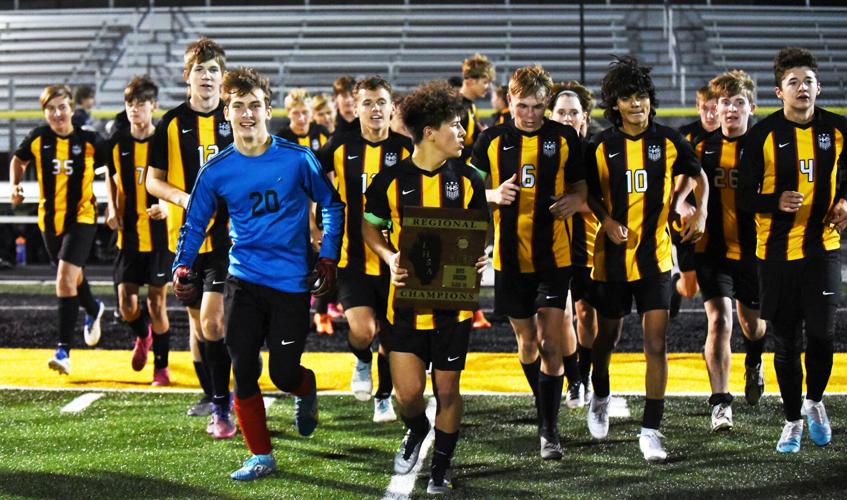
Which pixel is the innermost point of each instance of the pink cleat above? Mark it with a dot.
(141, 349)
(161, 377)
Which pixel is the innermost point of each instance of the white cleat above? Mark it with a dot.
(598, 417)
(91, 326)
(384, 410)
(361, 383)
(650, 441)
(721, 417)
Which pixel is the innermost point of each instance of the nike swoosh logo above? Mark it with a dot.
(711, 152)
(450, 360)
(404, 192)
(287, 342)
(828, 293)
(352, 157)
(612, 155)
(218, 282)
(125, 153)
(46, 146)
(186, 130)
(159, 275)
(783, 145)
(551, 297)
(506, 148)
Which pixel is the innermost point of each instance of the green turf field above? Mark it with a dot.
(141, 445)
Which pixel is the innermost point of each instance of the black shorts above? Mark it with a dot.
(72, 246)
(803, 288)
(684, 252)
(614, 300)
(580, 283)
(144, 268)
(722, 277)
(357, 289)
(446, 348)
(211, 268)
(520, 295)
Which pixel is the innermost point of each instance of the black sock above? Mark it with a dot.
(653, 411)
(68, 314)
(445, 445)
(419, 424)
(571, 368)
(600, 376)
(584, 363)
(720, 398)
(383, 370)
(219, 368)
(86, 300)
(754, 349)
(364, 355)
(201, 368)
(549, 401)
(139, 327)
(161, 347)
(531, 371)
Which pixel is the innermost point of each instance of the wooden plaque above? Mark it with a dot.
(440, 247)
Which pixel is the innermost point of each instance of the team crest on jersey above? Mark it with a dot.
(390, 159)
(76, 149)
(824, 141)
(549, 148)
(451, 189)
(654, 152)
(224, 130)
(316, 144)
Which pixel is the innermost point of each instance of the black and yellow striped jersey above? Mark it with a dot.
(632, 177)
(730, 232)
(527, 238)
(184, 141)
(314, 139)
(693, 131)
(781, 155)
(453, 185)
(583, 230)
(501, 117)
(355, 162)
(470, 123)
(128, 164)
(342, 126)
(65, 170)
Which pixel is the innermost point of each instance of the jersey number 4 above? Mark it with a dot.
(808, 167)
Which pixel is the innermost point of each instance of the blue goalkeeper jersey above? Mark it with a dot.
(269, 198)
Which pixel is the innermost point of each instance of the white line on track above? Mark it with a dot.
(401, 485)
(268, 401)
(81, 402)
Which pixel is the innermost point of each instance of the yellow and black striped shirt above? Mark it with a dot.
(65, 169)
(128, 164)
(470, 123)
(355, 162)
(501, 117)
(184, 141)
(633, 178)
(693, 132)
(453, 185)
(730, 232)
(781, 155)
(314, 139)
(527, 238)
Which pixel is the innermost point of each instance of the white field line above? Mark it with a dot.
(269, 401)
(401, 485)
(618, 408)
(81, 402)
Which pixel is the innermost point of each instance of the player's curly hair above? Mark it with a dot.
(733, 83)
(371, 83)
(625, 78)
(241, 82)
(53, 91)
(792, 57)
(202, 50)
(430, 105)
(478, 66)
(298, 97)
(530, 81)
(584, 94)
(142, 89)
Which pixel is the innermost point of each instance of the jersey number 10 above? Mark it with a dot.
(636, 181)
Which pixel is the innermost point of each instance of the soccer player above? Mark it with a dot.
(793, 177)
(434, 176)
(345, 104)
(143, 255)
(685, 283)
(269, 277)
(572, 106)
(186, 138)
(500, 105)
(323, 112)
(725, 255)
(64, 158)
(300, 129)
(84, 98)
(536, 167)
(477, 75)
(631, 167)
(353, 159)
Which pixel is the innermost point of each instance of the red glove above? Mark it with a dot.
(184, 285)
(323, 277)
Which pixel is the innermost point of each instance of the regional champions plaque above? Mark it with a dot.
(440, 247)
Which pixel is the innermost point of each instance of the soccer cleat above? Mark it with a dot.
(255, 467)
(551, 448)
(201, 408)
(598, 416)
(61, 362)
(789, 441)
(439, 486)
(91, 328)
(575, 395)
(479, 321)
(676, 298)
(384, 410)
(754, 383)
(820, 431)
(221, 424)
(410, 449)
(141, 350)
(650, 441)
(361, 383)
(306, 409)
(161, 377)
(721, 417)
